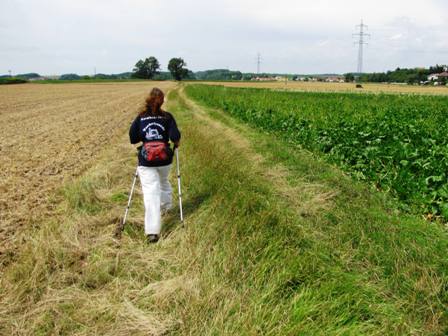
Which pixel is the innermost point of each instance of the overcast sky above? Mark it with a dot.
(294, 36)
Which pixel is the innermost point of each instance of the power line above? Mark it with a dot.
(361, 42)
(258, 62)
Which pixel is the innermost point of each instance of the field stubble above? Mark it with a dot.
(51, 133)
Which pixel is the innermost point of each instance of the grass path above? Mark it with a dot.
(276, 243)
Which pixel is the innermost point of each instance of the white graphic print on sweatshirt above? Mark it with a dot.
(152, 133)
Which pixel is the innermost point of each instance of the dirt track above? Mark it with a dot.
(50, 133)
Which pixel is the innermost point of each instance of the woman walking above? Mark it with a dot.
(155, 128)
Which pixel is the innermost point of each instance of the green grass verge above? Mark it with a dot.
(287, 248)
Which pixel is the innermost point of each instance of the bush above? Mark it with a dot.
(12, 80)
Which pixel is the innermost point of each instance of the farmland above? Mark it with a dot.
(50, 133)
(339, 87)
(397, 142)
(276, 240)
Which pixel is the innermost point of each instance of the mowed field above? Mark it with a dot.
(51, 133)
(339, 87)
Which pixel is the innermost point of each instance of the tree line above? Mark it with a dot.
(150, 68)
(399, 75)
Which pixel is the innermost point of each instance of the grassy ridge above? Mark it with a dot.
(286, 248)
(396, 142)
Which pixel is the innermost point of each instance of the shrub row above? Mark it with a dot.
(12, 80)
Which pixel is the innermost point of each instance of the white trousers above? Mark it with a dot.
(156, 195)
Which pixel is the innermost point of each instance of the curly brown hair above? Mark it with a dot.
(153, 103)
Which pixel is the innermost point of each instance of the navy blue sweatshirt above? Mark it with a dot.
(148, 128)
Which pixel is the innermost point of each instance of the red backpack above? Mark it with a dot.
(156, 151)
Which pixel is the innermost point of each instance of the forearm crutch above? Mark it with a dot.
(178, 187)
(120, 226)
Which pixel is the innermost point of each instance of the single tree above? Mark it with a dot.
(176, 67)
(349, 77)
(147, 68)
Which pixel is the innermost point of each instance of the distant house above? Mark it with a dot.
(300, 78)
(37, 79)
(40, 78)
(281, 78)
(335, 79)
(263, 79)
(437, 76)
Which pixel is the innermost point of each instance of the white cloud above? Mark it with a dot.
(396, 36)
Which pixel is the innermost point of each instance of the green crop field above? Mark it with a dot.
(397, 142)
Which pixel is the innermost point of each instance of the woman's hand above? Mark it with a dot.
(176, 144)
